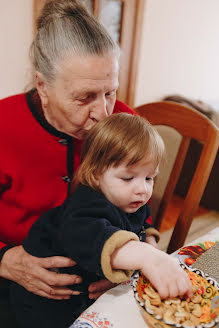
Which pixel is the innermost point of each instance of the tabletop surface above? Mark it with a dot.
(117, 308)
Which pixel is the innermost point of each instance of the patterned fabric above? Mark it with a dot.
(92, 319)
(194, 251)
(118, 306)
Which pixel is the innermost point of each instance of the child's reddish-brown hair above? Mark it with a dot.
(118, 138)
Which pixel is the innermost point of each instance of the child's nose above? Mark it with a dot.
(141, 188)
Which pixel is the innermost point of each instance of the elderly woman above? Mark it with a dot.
(76, 77)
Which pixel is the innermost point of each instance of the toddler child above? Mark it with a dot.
(99, 225)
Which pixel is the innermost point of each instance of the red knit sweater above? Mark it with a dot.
(35, 163)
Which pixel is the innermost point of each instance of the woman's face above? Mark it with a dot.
(83, 93)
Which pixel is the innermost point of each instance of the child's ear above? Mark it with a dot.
(96, 180)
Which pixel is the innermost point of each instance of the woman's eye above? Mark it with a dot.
(110, 94)
(86, 98)
(83, 99)
(148, 179)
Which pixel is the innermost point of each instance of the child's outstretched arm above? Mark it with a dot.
(162, 270)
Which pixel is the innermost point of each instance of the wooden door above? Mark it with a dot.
(123, 19)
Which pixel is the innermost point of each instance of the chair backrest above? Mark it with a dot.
(190, 124)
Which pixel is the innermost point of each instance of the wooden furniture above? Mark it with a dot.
(191, 125)
(130, 27)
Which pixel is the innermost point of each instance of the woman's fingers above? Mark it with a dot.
(53, 292)
(97, 288)
(50, 284)
(55, 262)
(32, 273)
(55, 279)
(101, 285)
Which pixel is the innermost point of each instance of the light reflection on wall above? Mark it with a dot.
(110, 16)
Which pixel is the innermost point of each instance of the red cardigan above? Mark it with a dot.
(36, 161)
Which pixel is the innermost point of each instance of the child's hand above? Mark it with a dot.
(152, 241)
(165, 274)
(161, 269)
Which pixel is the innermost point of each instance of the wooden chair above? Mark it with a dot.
(191, 125)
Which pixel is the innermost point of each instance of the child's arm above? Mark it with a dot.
(161, 269)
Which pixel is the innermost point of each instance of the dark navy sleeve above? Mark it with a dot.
(83, 234)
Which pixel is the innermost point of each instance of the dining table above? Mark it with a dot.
(117, 308)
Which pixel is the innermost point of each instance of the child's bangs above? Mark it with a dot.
(138, 153)
(151, 148)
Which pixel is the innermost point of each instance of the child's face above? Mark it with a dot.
(128, 187)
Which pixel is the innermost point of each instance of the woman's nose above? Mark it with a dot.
(99, 111)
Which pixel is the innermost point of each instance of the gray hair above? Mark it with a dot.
(66, 28)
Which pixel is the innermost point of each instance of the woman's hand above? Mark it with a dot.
(152, 241)
(31, 273)
(97, 288)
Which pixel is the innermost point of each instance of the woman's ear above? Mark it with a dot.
(41, 88)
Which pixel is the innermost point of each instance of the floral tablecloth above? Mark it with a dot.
(117, 308)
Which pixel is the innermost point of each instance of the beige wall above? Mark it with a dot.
(180, 50)
(179, 54)
(15, 38)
